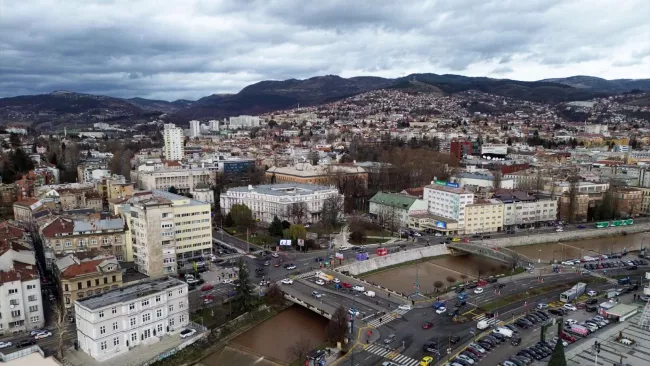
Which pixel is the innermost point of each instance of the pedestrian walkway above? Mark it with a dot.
(382, 320)
(491, 321)
(391, 355)
(304, 275)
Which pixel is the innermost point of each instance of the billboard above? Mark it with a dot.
(496, 149)
(452, 185)
(339, 256)
(447, 184)
(285, 242)
(441, 224)
(301, 242)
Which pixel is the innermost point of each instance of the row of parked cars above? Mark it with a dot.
(475, 351)
(631, 264)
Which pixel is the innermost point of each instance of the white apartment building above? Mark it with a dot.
(195, 128)
(184, 180)
(21, 303)
(135, 316)
(267, 201)
(485, 216)
(392, 210)
(448, 201)
(214, 125)
(244, 121)
(522, 209)
(174, 148)
(166, 229)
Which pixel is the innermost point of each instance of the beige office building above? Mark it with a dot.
(484, 216)
(167, 229)
(184, 180)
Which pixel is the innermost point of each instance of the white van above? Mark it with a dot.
(483, 324)
(369, 293)
(504, 332)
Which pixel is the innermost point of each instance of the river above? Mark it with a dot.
(449, 269)
(273, 338)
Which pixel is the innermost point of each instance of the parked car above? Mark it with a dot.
(592, 293)
(5, 344)
(515, 341)
(570, 307)
(286, 281)
(25, 343)
(358, 288)
(427, 325)
(320, 282)
(404, 307)
(186, 333)
(42, 335)
(316, 294)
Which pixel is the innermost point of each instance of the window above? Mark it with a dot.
(132, 321)
(146, 333)
(34, 319)
(66, 288)
(105, 280)
(102, 345)
(116, 341)
(101, 314)
(134, 337)
(158, 313)
(159, 328)
(115, 326)
(68, 244)
(96, 281)
(171, 322)
(169, 294)
(146, 317)
(181, 305)
(102, 329)
(88, 283)
(132, 306)
(145, 302)
(31, 298)
(31, 287)
(158, 299)
(171, 308)
(13, 291)
(182, 318)
(33, 308)
(180, 291)
(15, 313)
(113, 278)
(79, 286)
(106, 240)
(93, 241)
(114, 310)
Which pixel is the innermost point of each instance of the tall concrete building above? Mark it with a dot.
(244, 121)
(195, 128)
(448, 201)
(174, 149)
(214, 125)
(167, 229)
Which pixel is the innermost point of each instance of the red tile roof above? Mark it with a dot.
(26, 202)
(82, 268)
(58, 226)
(9, 231)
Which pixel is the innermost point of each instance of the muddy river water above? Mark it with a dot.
(449, 269)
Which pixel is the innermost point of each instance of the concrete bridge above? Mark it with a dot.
(503, 255)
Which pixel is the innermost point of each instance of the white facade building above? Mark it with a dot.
(214, 125)
(448, 201)
(244, 121)
(115, 322)
(21, 303)
(195, 128)
(174, 148)
(393, 210)
(184, 180)
(482, 180)
(267, 201)
(522, 209)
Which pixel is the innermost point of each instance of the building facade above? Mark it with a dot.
(447, 201)
(64, 236)
(21, 303)
(174, 138)
(268, 201)
(79, 278)
(168, 229)
(523, 209)
(195, 128)
(392, 210)
(116, 322)
(244, 121)
(184, 180)
(484, 216)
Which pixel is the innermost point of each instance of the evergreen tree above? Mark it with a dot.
(557, 357)
(275, 229)
(229, 222)
(173, 190)
(244, 299)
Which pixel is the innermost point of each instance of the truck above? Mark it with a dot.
(573, 293)
(324, 276)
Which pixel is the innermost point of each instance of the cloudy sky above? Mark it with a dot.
(171, 49)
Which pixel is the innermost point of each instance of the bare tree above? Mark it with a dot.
(331, 211)
(300, 349)
(497, 178)
(297, 212)
(337, 328)
(274, 296)
(59, 324)
(573, 198)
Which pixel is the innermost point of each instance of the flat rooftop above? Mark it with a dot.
(130, 293)
(284, 189)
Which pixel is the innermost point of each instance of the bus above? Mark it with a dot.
(628, 222)
(602, 224)
(617, 223)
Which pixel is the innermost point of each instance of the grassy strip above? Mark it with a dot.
(529, 294)
(398, 265)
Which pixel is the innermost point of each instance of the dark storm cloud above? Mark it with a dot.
(188, 49)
